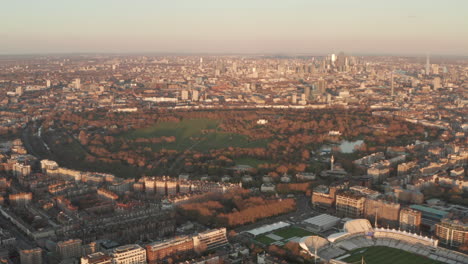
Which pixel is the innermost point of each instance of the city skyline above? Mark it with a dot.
(241, 27)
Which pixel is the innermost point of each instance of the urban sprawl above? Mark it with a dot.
(99, 163)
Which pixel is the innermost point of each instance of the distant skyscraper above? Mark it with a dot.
(307, 92)
(437, 83)
(435, 69)
(428, 65)
(194, 95)
(294, 99)
(321, 85)
(333, 58)
(312, 68)
(341, 62)
(393, 86)
(77, 83)
(19, 90)
(332, 161)
(185, 95)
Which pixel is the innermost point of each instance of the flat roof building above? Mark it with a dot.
(350, 204)
(159, 251)
(210, 240)
(410, 220)
(96, 258)
(452, 232)
(322, 222)
(129, 254)
(69, 249)
(430, 216)
(31, 256)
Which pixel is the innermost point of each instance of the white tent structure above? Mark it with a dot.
(267, 228)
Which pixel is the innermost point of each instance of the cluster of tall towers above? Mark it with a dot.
(428, 65)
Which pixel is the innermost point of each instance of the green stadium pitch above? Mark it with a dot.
(387, 255)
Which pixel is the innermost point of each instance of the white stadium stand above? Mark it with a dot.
(360, 234)
(324, 249)
(358, 226)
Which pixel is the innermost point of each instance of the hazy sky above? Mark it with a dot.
(234, 26)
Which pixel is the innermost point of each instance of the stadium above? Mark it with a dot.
(359, 236)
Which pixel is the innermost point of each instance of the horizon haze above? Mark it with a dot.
(239, 27)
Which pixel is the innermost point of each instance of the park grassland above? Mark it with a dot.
(253, 162)
(71, 154)
(387, 255)
(190, 134)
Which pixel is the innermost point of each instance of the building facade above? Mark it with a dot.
(96, 258)
(350, 204)
(324, 197)
(129, 254)
(159, 251)
(31, 256)
(410, 220)
(210, 240)
(452, 232)
(69, 249)
(386, 213)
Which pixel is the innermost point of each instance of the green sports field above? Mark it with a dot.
(199, 134)
(387, 255)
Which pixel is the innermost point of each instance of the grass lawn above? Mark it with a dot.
(265, 240)
(387, 255)
(183, 129)
(188, 133)
(250, 161)
(289, 232)
(285, 233)
(71, 154)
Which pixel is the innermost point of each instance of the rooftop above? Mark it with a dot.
(426, 209)
(322, 219)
